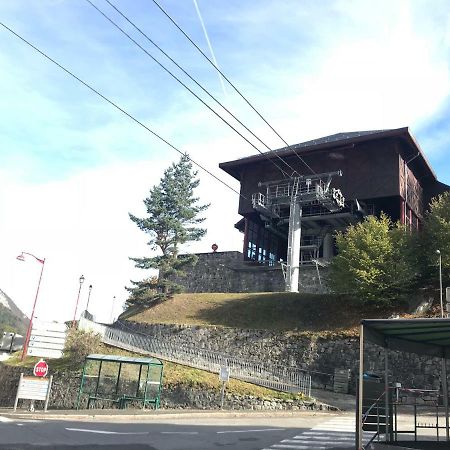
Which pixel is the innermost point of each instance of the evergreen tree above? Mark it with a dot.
(172, 220)
(375, 261)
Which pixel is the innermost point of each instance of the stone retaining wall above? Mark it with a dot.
(313, 353)
(65, 390)
(228, 272)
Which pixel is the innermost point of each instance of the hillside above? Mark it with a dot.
(271, 311)
(11, 317)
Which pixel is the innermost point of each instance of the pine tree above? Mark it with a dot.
(172, 220)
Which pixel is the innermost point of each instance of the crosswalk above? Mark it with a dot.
(336, 433)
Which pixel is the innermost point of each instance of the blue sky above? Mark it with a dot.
(72, 167)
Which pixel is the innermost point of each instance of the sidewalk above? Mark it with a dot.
(139, 414)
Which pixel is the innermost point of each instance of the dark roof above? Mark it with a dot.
(124, 359)
(334, 140)
(422, 336)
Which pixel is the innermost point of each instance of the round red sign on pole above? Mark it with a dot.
(40, 369)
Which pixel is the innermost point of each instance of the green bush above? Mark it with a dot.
(79, 344)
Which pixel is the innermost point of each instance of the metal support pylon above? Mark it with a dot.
(294, 240)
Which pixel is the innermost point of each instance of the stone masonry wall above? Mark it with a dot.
(313, 353)
(228, 272)
(65, 390)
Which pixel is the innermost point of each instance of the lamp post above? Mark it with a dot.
(440, 282)
(89, 297)
(21, 257)
(81, 280)
(112, 309)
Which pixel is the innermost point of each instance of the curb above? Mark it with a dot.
(99, 415)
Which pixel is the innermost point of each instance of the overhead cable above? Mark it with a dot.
(192, 92)
(115, 105)
(229, 82)
(183, 70)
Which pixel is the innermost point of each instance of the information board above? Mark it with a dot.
(34, 388)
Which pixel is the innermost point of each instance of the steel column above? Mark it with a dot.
(359, 424)
(293, 251)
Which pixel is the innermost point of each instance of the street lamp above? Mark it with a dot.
(89, 297)
(21, 257)
(440, 282)
(112, 308)
(81, 280)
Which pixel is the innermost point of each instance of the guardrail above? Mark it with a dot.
(280, 378)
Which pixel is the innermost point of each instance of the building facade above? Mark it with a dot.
(375, 171)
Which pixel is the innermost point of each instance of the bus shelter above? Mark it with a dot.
(427, 337)
(120, 381)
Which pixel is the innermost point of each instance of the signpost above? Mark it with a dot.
(47, 339)
(35, 388)
(224, 377)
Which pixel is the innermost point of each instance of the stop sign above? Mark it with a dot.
(40, 369)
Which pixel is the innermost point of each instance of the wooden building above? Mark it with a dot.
(382, 170)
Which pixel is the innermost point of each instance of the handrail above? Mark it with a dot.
(366, 415)
(274, 377)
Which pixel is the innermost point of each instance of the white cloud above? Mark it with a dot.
(311, 70)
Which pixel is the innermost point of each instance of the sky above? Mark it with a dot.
(72, 167)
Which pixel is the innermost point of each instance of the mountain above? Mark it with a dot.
(11, 317)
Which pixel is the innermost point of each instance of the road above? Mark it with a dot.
(306, 430)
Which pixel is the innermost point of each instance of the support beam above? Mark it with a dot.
(359, 415)
(445, 396)
(386, 393)
(293, 250)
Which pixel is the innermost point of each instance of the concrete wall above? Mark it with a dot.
(228, 272)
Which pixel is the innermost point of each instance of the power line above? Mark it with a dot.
(229, 82)
(184, 71)
(115, 105)
(192, 92)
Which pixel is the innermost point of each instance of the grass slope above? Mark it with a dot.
(269, 311)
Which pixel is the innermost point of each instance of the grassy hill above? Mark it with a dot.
(270, 311)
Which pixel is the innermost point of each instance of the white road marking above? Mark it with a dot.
(250, 431)
(338, 432)
(179, 432)
(84, 430)
(5, 419)
(19, 424)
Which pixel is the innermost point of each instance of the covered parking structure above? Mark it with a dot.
(428, 337)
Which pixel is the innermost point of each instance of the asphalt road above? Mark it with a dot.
(322, 431)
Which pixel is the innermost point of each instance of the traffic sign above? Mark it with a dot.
(47, 339)
(224, 374)
(40, 369)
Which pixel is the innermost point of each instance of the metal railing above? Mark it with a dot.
(275, 377)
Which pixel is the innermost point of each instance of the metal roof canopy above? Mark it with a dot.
(124, 359)
(429, 337)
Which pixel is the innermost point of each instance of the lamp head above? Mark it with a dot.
(81, 279)
(90, 286)
(438, 252)
(20, 257)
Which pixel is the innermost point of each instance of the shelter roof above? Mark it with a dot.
(340, 140)
(124, 359)
(422, 336)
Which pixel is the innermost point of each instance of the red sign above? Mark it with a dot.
(40, 369)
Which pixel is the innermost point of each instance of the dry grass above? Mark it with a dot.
(268, 311)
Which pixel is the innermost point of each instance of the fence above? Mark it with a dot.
(280, 378)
